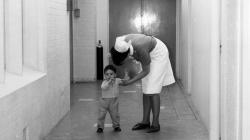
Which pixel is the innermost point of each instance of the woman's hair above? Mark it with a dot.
(118, 57)
(110, 67)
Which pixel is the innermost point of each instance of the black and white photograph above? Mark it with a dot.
(124, 69)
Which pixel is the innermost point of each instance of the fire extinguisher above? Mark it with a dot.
(99, 61)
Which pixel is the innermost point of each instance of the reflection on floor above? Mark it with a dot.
(177, 119)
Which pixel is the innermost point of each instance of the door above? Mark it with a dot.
(165, 26)
(158, 18)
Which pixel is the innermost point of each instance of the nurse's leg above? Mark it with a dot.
(146, 114)
(146, 109)
(155, 102)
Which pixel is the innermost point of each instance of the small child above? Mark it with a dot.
(109, 100)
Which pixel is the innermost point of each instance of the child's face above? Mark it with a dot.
(109, 74)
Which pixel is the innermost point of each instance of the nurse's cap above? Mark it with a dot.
(120, 51)
(121, 45)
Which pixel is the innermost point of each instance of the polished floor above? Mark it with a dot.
(178, 119)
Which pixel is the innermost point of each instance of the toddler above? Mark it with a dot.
(109, 100)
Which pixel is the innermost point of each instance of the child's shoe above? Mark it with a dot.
(117, 129)
(99, 130)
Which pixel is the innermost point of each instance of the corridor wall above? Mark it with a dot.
(84, 41)
(32, 103)
(233, 73)
(195, 41)
(235, 66)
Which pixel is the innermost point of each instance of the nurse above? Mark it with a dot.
(156, 72)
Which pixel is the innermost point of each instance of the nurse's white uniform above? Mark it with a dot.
(161, 73)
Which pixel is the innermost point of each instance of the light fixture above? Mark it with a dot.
(148, 22)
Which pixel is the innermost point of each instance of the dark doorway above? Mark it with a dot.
(123, 15)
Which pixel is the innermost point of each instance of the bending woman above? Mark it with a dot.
(156, 72)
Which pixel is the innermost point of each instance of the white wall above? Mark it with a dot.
(84, 44)
(39, 105)
(234, 64)
(201, 57)
(102, 27)
(58, 62)
(198, 56)
(185, 45)
(230, 66)
(245, 70)
(91, 26)
(2, 42)
(13, 36)
(235, 70)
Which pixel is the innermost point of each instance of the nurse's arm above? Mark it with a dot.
(143, 73)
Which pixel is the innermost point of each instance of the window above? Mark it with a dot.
(21, 38)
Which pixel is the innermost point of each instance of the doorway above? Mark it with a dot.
(128, 16)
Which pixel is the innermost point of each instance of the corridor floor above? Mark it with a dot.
(177, 118)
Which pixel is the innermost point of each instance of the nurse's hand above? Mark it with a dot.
(124, 82)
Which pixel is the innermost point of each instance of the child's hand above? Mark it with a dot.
(111, 81)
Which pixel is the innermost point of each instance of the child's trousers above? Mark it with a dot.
(110, 105)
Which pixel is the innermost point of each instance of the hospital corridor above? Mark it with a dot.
(53, 55)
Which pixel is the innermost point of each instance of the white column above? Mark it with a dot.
(13, 36)
(1, 41)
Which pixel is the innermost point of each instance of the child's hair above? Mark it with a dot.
(110, 67)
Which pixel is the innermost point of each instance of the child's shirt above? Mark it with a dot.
(110, 90)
